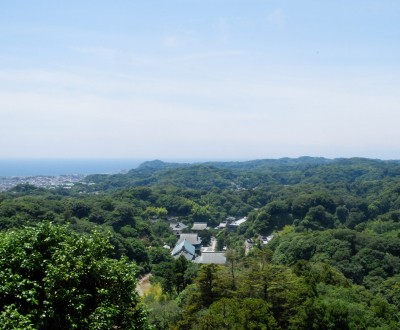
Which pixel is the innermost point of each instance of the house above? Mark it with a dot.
(177, 228)
(217, 258)
(192, 239)
(199, 226)
(222, 225)
(237, 223)
(184, 248)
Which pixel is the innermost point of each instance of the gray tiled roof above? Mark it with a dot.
(178, 226)
(187, 256)
(191, 238)
(211, 258)
(199, 226)
(183, 246)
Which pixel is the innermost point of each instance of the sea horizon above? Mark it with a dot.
(21, 167)
(25, 167)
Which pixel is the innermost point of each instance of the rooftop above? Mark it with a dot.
(184, 247)
(239, 222)
(211, 258)
(178, 226)
(221, 225)
(199, 226)
(191, 238)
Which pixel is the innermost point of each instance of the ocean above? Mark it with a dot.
(54, 167)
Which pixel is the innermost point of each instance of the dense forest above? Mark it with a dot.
(71, 258)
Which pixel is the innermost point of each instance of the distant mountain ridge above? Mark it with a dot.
(250, 174)
(157, 165)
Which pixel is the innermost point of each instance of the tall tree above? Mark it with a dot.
(52, 278)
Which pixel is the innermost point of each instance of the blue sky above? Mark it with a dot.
(199, 79)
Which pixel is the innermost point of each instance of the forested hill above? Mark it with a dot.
(250, 174)
(320, 248)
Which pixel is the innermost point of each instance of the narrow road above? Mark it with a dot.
(212, 246)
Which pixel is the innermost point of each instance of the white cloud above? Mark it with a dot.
(60, 114)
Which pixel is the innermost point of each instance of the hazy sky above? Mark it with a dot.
(209, 79)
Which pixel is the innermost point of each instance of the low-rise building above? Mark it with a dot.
(193, 239)
(222, 225)
(217, 258)
(237, 223)
(184, 248)
(178, 227)
(199, 226)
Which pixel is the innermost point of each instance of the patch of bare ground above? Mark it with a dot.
(144, 285)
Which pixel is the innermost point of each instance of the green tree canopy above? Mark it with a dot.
(53, 278)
